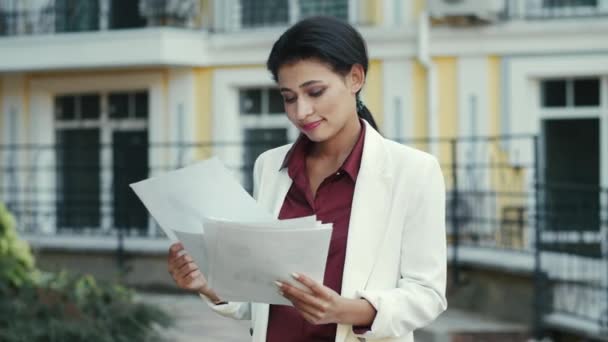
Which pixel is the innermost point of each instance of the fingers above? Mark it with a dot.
(314, 286)
(186, 269)
(175, 249)
(302, 298)
(181, 261)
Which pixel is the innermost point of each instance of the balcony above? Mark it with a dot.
(61, 16)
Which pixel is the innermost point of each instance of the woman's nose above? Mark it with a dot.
(304, 108)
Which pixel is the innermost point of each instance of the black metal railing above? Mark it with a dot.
(56, 16)
(497, 199)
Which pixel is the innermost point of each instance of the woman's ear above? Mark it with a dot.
(356, 78)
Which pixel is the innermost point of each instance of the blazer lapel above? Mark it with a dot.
(273, 200)
(368, 219)
(369, 214)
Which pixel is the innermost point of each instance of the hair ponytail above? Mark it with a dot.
(366, 115)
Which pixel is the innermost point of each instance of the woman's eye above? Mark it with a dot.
(317, 93)
(289, 99)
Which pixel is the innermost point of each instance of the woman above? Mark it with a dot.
(386, 270)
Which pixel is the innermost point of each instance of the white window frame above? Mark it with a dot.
(570, 112)
(229, 124)
(107, 126)
(43, 92)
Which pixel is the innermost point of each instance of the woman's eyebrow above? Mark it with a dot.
(307, 83)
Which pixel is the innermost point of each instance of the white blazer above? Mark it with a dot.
(396, 248)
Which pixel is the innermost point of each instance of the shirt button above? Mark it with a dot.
(338, 173)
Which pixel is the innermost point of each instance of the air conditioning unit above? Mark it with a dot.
(482, 10)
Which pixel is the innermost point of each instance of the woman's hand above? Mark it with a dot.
(318, 304)
(184, 271)
(186, 274)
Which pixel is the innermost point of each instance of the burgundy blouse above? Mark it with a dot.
(332, 203)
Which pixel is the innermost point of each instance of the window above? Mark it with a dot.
(128, 105)
(336, 8)
(268, 13)
(261, 102)
(264, 125)
(75, 107)
(125, 14)
(569, 3)
(76, 15)
(577, 92)
(102, 146)
(259, 13)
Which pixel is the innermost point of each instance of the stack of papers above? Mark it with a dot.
(238, 245)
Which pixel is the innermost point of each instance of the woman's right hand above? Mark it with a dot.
(184, 271)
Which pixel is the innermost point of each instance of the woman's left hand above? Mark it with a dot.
(318, 304)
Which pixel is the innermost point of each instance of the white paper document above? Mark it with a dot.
(248, 261)
(181, 199)
(237, 244)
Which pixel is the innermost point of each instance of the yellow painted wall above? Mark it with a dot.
(417, 7)
(371, 12)
(419, 98)
(203, 83)
(494, 79)
(372, 91)
(503, 179)
(447, 109)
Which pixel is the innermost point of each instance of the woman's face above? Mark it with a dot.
(317, 100)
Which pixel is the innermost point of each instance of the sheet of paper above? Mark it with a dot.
(180, 199)
(212, 225)
(194, 244)
(252, 259)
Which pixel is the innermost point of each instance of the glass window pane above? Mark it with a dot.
(587, 92)
(126, 13)
(78, 178)
(118, 105)
(90, 106)
(569, 3)
(141, 104)
(554, 93)
(250, 101)
(65, 107)
(260, 13)
(336, 8)
(76, 15)
(275, 102)
(257, 141)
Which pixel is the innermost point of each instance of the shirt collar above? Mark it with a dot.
(295, 159)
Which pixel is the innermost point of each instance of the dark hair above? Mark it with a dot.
(327, 39)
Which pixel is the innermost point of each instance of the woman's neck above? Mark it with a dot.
(338, 147)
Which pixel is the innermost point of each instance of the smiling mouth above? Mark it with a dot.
(310, 126)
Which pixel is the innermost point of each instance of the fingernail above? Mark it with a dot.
(278, 284)
(295, 275)
(281, 293)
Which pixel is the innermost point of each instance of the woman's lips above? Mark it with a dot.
(310, 126)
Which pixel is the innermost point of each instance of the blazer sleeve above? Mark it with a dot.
(239, 310)
(420, 293)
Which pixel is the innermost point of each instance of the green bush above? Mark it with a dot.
(36, 306)
(16, 260)
(68, 308)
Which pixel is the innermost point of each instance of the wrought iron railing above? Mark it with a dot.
(497, 199)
